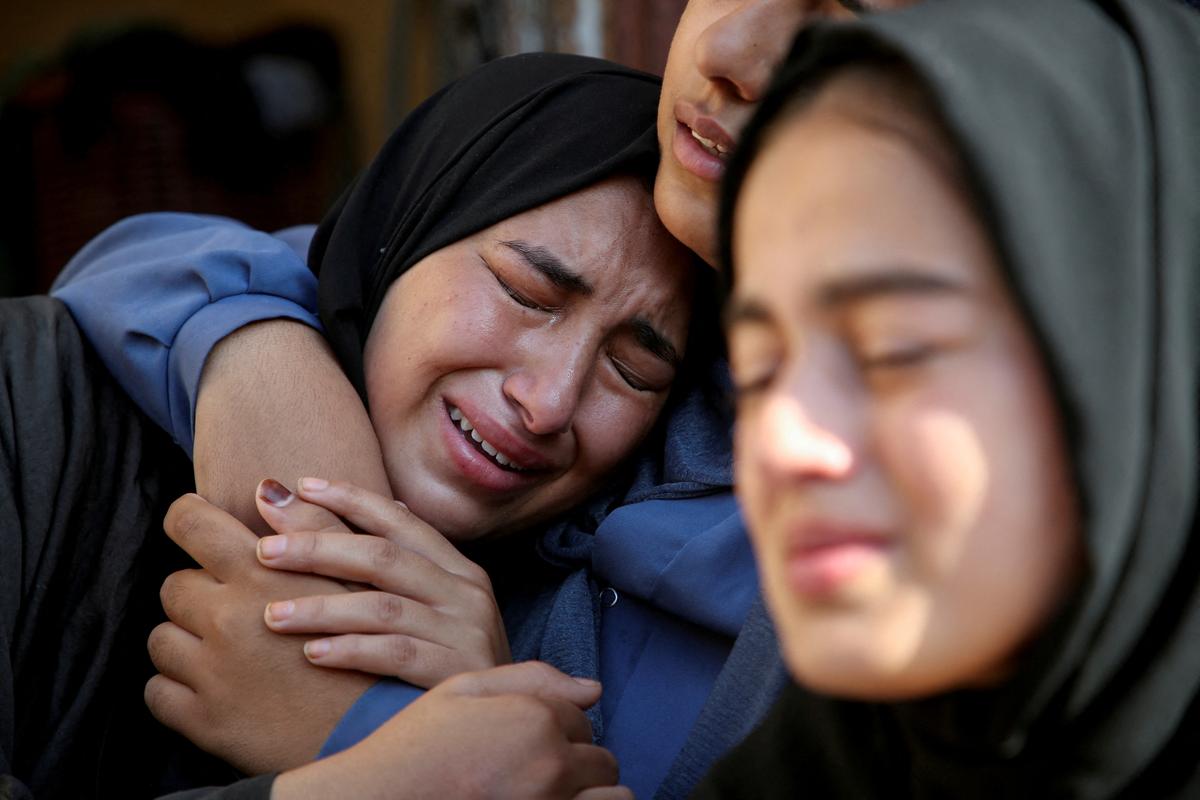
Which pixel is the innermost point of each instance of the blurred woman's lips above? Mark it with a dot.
(824, 557)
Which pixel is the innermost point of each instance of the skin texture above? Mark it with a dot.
(257, 394)
(720, 62)
(900, 457)
(554, 377)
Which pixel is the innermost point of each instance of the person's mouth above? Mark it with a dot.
(823, 557)
(701, 144)
(492, 457)
(500, 459)
(713, 146)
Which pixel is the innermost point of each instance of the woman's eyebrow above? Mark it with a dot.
(551, 266)
(845, 291)
(650, 338)
(890, 282)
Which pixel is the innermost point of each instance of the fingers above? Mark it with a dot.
(170, 702)
(358, 612)
(181, 596)
(367, 559)
(573, 722)
(593, 769)
(217, 541)
(382, 516)
(172, 649)
(528, 677)
(285, 512)
(416, 661)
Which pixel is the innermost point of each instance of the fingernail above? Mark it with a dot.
(274, 493)
(278, 612)
(272, 546)
(317, 649)
(314, 484)
(402, 504)
(588, 682)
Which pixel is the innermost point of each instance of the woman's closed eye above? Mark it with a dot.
(902, 336)
(640, 369)
(519, 297)
(755, 354)
(898, 356)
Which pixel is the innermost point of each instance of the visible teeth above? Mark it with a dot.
(710, 144)
(487, 447)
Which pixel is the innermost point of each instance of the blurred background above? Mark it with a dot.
(258, 109)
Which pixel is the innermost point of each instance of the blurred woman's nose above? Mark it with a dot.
(806, 430)
(548, 389)
(742, 47)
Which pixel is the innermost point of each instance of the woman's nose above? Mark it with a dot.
(791, 442)
(548, 390)
(741, 48)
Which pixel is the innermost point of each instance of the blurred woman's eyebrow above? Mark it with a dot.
(843, 291)
(551, 266)
(887, 282)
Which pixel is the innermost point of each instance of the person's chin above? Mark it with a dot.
(688, 214)
(456, 517)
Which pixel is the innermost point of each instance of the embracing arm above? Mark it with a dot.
(157, 293)
(273, 402)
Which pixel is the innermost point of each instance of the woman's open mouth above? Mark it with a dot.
(489, 450)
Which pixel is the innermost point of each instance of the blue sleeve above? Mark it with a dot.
(377, 705)
(156, 292)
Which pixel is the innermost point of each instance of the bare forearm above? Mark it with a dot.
(274, 403)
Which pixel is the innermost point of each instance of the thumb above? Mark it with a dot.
(528, 677)
(285, 512)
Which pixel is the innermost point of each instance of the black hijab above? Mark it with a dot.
(1079, 125)
(512, 135)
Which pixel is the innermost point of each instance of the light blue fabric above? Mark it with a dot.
(156, 292)
(376, 706)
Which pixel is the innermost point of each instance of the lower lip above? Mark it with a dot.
(693, 157)
(477, 468)
(820, 572)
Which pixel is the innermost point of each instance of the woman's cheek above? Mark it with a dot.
(612, 425)
(935, 454)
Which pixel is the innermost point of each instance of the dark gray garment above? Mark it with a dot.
(85, 481)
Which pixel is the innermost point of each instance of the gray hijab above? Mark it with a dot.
(1079, 124)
